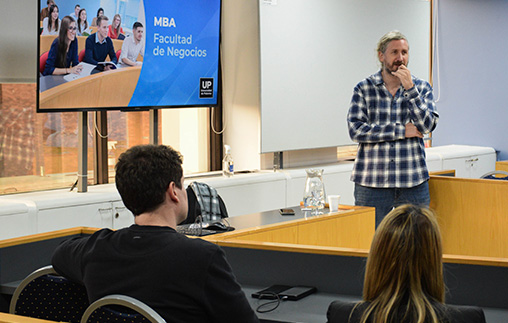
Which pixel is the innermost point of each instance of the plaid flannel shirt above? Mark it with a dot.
(376, 120)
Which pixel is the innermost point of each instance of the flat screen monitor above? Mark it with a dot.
(175, 63)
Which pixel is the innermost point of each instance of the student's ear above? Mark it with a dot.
(171, 191)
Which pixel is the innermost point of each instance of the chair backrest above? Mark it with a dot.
(45, 42)
(117, 44)
(42, 62)
(497, 174)
(44, 294)
(120, 308)
(81, 55)
(81, 43)
(205, 204)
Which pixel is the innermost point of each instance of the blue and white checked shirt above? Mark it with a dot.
(376, 120)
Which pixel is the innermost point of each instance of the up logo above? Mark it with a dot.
(205, 88)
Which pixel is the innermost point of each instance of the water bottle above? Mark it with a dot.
(227, 162)
(314, 194)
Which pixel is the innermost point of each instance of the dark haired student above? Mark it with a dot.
(133, 46)
(63, 54)
(99, 46)
(182, 279)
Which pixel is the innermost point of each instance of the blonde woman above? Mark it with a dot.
(404, 276)
(115, 28)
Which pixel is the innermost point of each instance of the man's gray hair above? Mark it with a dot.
(387, 38)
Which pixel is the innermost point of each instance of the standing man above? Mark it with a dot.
(98, 46)
(182, 279)
(389, 114)
(133, 46)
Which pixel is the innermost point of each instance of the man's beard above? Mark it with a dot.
(393, 67)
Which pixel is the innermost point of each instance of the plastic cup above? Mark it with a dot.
(333, 202)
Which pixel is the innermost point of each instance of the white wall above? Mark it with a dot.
(471, 79)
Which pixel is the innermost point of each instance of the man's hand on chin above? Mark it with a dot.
(404, 75)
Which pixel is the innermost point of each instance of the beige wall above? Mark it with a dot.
(240, 59)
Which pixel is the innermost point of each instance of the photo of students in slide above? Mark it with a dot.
(63, 55)
(133, 46)
(51, 24)
(83, 28)
(45, 11)
(115, 30)
(99, 46)
(75, 56)
(100, 12)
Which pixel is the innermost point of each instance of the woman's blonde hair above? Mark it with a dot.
(404, 274)
(117, 28)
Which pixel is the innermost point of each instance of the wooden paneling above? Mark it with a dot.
(348, 229)
(473, 215)
(502, 165)
(279, 235)
(46, 236)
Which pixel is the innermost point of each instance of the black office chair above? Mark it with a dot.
(120, 308)
(497, 174)
(44, 294)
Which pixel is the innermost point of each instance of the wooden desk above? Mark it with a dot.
(107, 89)
(350, 227)
(11, 318)
(336, 271)
(472, 214)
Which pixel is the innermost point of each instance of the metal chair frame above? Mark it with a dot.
(41, 272)
(126, 301)
(496, 172)
(48, 270)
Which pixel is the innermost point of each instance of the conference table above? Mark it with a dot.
(326, 251)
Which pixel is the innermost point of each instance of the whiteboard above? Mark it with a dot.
(313, 53)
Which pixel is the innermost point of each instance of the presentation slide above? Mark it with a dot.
(178, 68)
